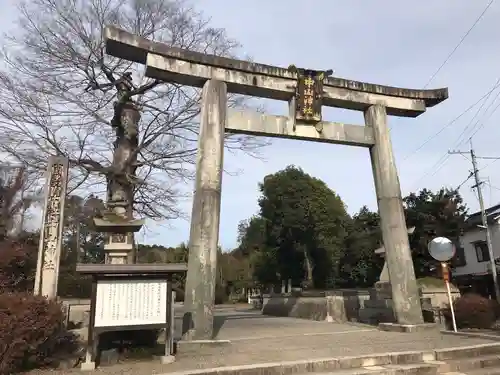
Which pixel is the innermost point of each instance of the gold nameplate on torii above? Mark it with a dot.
(309, 94)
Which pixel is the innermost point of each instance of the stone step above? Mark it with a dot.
(467, 364)
(339, 365)
(467, 352)
(482, 371)
(430, 362)
(408, 369)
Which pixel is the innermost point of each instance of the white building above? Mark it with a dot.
(472, 262)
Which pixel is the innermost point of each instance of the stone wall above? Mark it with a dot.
(354, 305)
(334, 306)
(439, 296)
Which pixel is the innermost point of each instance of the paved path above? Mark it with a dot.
(259, 339)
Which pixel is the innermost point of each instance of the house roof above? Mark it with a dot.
(491, 213)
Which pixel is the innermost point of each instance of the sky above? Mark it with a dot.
(390, 42)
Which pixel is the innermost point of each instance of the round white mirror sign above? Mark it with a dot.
(441, 249)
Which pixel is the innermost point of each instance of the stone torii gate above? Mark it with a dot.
(306, 91)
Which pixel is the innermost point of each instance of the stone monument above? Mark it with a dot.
(49, 251)
(383, 286)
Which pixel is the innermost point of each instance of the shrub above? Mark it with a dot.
(73, 285)
(17, 265)
(496, 308)
(472, 311)
(33, 333)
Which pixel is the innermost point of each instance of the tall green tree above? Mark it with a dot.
(162, 254)
(433, 214)
(81, 241)
(305, 226)
(251, 235)
(263, 261)
(81, 244)
(359, 265)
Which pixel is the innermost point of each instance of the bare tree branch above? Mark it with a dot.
(60, 94)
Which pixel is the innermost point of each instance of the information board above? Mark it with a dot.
(130, 303)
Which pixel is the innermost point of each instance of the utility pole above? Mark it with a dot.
(484, 218)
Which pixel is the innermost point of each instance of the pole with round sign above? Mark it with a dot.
(442, 249)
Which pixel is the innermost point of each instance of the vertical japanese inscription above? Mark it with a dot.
(309, 95)
(53, 215)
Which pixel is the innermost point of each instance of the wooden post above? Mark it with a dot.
(169, 339)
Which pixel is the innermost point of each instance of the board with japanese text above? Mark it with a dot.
(130, 303)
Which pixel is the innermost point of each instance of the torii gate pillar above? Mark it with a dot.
(404, 287)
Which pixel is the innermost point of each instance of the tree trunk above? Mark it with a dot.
(122, 177)
(309, 269)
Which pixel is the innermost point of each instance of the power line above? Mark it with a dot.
(444, 158)
(488, 182)
(464, 181)
(497, 84)
(491, 114)
(491, 186)
(477, 114)
(488, 165)
(477, 186)
(459, 43)
(441, 162)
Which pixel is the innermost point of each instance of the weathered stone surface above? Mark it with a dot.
(405, 328)
(270, 344)
(49, 251)
(405, 293)
(255, 123)
(334, 307)
(304, 308)
(444, 354)
(339, 306)
(120, 43)
(79, 315)
(195, 346)
(204, 235)
(218, 75)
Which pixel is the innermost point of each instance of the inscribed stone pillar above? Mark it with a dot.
(204, 233)
(49, 251)
(404, 288)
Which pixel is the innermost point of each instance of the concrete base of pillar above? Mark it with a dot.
(87, 366)
(167, 359)
(408, 328)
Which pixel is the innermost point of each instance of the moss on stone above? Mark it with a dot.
(431, 281)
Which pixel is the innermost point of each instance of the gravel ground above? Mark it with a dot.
(259, 339)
